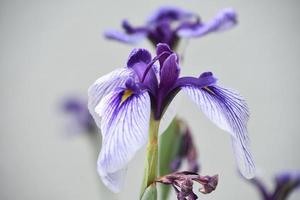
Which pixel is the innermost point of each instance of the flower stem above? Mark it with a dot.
(151, 164)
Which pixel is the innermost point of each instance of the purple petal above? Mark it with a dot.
(169, 72)
(225, 20)
(286, 183)
(162, 32)
(287, 180)
(261, 187)
(162, 47)
(228, 110)
(124, 128)
(132, 30)
(286, 176)
(82, 119)
(139, 61)
(163, 51)
(124, 37)
(168, 13)
(73, 104)
(103, 86)
(137, 56)
(205, 79)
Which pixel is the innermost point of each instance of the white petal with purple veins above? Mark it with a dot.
(115, 180)
(103, 86)
(228, 110)
(170, 113)
(124, 128)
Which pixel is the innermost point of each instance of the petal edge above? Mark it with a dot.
(228, 110)
(124, 128)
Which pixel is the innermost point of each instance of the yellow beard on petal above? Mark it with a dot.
(126, 95)
(209, 90)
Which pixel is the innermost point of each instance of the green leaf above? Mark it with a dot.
(168, 150)
(150, 193)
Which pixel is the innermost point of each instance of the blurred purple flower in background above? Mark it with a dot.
(124, 101)
(169, 24)
(81, 119)
(182, 183)
(285, 184)
(187, 150)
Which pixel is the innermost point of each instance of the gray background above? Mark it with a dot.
(50, 49)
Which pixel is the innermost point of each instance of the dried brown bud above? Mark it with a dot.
(182, 182)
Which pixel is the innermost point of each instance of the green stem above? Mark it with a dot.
(152, 155)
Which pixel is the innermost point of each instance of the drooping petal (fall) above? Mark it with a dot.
(124, 37)
(261, 187)
(124, 127)
(228, 110)
(103, 86)
(170, 113)
(225, 20)
(286, 183)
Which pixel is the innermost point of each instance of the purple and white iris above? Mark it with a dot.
(169, 24)
(79, 114)
(285, 183)
(124, 101)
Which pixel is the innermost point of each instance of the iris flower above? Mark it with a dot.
(285, 183)
(169, 24)
(128, 101)
(187, 151)
(81, 118)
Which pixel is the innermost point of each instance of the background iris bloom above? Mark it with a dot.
(169, 24)
(285, 183)
(125, 101)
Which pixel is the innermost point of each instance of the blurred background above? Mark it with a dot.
(53, 49)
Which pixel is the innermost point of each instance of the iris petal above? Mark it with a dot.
(133, 38)
(163, 51)
(103, 86)
(124, 129)
(228, 110)
(169, 72)
(113, 180)
(170, 113)
(139, 56)
(139, 60)
(225, 20)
